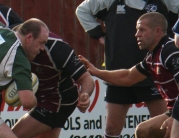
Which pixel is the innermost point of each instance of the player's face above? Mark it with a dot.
(34, 46)
(145, 35)
(177, 40)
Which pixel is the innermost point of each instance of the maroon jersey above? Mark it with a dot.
(163, 65)
(57, 68)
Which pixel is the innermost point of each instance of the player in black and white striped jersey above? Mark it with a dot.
(59, 71)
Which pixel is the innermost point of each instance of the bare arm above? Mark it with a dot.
(176, 32)
(86, 88)
(122, 77)
(87, 84)
(27, 98)
(177, 40)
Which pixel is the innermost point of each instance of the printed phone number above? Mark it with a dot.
(100, 136)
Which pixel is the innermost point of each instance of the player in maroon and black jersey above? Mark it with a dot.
(9, 17)
(175, 113)
(60, 73)
(161, 62)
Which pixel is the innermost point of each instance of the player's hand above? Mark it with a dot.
(167, 124)
(83, 102)
(92, 70)
(102, 40)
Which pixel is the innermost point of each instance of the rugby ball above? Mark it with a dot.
(11, 96)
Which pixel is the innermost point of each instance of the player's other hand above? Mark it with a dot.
(92, 69)
(102, 40)
(83, 102)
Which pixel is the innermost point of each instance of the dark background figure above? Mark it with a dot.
(9, 17)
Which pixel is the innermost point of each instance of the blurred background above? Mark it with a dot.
(60, 17)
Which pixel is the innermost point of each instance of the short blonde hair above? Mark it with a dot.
(155, 19)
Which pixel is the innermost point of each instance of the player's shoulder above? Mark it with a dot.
(2, 7)
(169, 49)
(169, 46)
(55, 40)
(53, 35)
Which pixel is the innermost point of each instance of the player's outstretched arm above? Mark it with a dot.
(122, 77)
(92, 69)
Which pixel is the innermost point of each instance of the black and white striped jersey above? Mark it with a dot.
(57, 68)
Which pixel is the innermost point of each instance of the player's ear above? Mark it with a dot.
(29, 38)
(158, 31)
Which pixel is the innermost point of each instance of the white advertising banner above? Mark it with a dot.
(90, 124)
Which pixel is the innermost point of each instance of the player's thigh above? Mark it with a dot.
(175, 112)
(153, 107)
(54, 133)
(174, 131)
(175, 115)
(116, 114)
(28, 127)
(151, 127)
(5, 131)
(115, 118)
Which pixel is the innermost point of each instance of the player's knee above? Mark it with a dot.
(110, 130)
(110, 136)
(140, 131)
(113, 128)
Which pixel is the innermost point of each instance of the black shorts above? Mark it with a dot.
(131, 95)
(52, 119)
(175, 112)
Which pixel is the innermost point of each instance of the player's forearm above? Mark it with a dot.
(87, 84)
(115, 77)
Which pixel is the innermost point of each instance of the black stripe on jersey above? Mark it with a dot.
(167, 52)
(142, 69)
(64, 58)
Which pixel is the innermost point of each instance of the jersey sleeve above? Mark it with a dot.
(142, 68)
(87, 13)
(170, 59)
(172, 5)
(21, 73)
(66, 60)
(176, 28)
